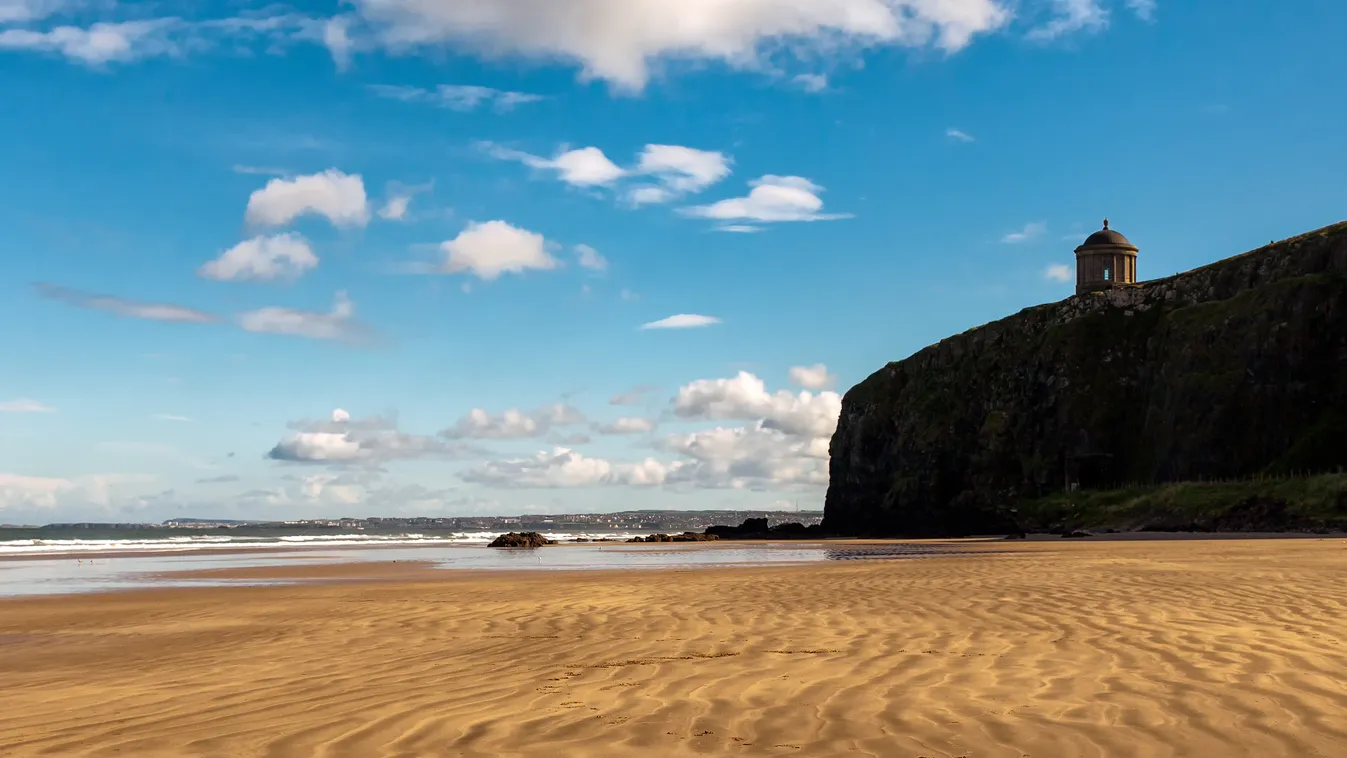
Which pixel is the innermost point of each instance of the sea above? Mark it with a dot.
(56, 562)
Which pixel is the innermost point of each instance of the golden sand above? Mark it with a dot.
(1170, 648)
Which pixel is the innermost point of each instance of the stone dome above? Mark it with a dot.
(1107, 237)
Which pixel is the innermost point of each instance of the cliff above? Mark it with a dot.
(1231, 370)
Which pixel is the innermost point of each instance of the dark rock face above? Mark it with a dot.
(521, 539)
(757, 529)
(1231, 369)
(684, 537)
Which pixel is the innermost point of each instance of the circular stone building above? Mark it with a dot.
(1106, 260)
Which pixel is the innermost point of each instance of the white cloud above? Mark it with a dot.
(745, 397)
(514, 423)
(395, 208)
(338, 42)
(343, 439)
(20, 11)
(739, 228)
(682, 321)
(258, 170)
(172, 418)
(337, 324)
(683, 169)
(487, 250)
(18, 491)
(1069, 17)
(1144, 9)
(283, 256)
(811, 82)
(99, 44)
(1032, 230)
(107, 42)
(335, 195)
(772, 199)
(565, 468)
(752, 457)
(815, 377)
(123, 307)
(25, 405)
(628, 295)
(627, 425)
(589, 258)
(959, 136)
(459, 97)
(621, 40)
(1058, 272)
(582, 167)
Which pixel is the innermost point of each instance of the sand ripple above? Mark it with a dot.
(1088, 649)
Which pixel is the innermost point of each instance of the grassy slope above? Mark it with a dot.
(1317, 503)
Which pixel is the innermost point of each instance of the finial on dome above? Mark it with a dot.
(1105, 223)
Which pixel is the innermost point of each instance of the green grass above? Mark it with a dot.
(1315, 503)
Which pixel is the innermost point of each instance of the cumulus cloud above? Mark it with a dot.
(627, 425)
(98, 44)
(745, 397)
(1058, 272)
(815, 377)
(784, 445)
(581, 167)
(621, 40)
(122, 307)
(100, 491)
(589, 258)
(337, 324)
(514, 423)
(337, 196)
(682, 321)
(25, 405)
(282, 256)
(772, 199)
(679, 170)
(669, 171)
(458, 97)
(487, 250)
(1031, 231)
(958, 135)
(752, 457)
(342, 439)
(565, 468)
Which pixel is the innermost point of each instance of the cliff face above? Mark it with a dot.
(1232, 369)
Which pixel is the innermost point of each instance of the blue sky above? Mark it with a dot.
(496, 256)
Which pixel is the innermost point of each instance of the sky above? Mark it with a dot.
(472, 257)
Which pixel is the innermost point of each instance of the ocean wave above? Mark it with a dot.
(188, 543)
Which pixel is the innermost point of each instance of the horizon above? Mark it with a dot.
(273, 264)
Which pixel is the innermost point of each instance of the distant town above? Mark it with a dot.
(624, 521)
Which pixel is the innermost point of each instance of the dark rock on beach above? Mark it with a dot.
(521, 539)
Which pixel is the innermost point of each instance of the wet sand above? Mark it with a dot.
(1043, 649)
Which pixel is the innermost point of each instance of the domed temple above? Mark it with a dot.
(1106, 260)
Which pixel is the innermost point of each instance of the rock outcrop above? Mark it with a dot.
(521, 539)
(1232, 369)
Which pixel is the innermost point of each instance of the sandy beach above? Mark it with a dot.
(1043, 649)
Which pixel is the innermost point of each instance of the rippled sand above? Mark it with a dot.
(1173, 648)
